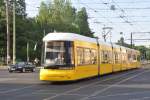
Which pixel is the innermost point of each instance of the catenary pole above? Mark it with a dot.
(14, 32)
(8, 33)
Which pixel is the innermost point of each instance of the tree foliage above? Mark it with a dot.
(58, 15)
(145, 52)
(2, 31)
(123, 43)
(62, 17)
(82, 22)
(27, 30)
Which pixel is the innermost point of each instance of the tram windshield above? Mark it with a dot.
(59, 54)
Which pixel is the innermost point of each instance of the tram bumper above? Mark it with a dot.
(56, 75)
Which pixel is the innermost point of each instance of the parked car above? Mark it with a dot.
(22, 67)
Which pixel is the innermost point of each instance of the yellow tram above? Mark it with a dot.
(70, 56)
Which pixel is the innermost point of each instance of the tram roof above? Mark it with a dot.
(116, 46)
(61, 36)
(67, 37)
(70, 37)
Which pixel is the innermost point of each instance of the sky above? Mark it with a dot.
(127, 16)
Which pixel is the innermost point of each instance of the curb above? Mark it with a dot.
(3, 67)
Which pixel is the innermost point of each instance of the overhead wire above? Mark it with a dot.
(137, 22)
(100, 15)
(122, 10)
(103, 23)
(127, 19)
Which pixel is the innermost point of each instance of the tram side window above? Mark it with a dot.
(129, 57)
(134, 57)
(80, 56)
(104, 57)
(93, 56)
(116, 58)
(123, 58)
(87, 56)
(110, 57)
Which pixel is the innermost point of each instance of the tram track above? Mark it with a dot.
(109, 87)
(128, 74)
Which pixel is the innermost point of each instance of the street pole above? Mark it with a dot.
(44, 32)
(43, 49)
(27, 51)
(14, 32)
(131, 40)
(8, 33)
(97, 39)
(104, 34)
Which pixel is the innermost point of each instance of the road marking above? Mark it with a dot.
(81, 87)
(113, 95)
(17, 89)
(144, 98)
(121, 94)
(105, 89)
(7, 79)
(145, 86)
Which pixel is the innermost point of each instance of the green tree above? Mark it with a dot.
(26, 30)
(82, 22)
(20, 6)
(121, 42)
(62, 17)
(43, 17)
(2, 31)
(58, 15)
(148, 54)
(145, 52)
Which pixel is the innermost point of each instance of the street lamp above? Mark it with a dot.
(8, 34)
(14, 31)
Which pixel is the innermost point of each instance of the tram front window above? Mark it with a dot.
(59, 55)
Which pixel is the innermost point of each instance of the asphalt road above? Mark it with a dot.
(127, 85)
